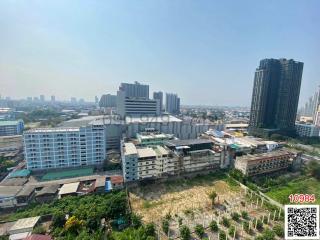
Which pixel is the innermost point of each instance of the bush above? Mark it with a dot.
(165, 226)
(232, 231)
(226, 222)
(279, 231)
(199, 230)
(245, 215)
(259, 225)
(39, 230)
(185, 233)
(136, 221)
(214, 226)
(222, 235)
(235, 216)
(150, 229)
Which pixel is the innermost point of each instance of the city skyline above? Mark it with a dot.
(52, 49)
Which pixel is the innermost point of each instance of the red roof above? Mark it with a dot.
(116, 179)
(38, 237)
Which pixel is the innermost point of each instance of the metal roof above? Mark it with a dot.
(9, 123)
(11, 191)
(146, 152)
(25, 223)
(129, 149)
(69, 188)
(176, 143)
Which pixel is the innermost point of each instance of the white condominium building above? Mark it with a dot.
(65, 147)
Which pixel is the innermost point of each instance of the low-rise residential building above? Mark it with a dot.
(8, 196)
(172, 158)
(307, 130)
(264, 163)
(10, 128)
(69, 189)
(65, 147)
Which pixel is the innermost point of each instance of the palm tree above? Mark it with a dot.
(212, 195)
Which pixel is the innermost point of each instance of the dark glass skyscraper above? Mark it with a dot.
(275, 95)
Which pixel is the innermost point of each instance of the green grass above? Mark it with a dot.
(297, 186)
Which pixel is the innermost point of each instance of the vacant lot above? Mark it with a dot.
(186, 202)
(305, 185)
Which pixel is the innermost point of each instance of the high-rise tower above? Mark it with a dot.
(275, 95)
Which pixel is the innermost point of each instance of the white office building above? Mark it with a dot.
(65, 147)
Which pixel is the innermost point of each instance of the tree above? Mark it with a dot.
(244, 215)
(222, 235)
(150, 229)
(259, 225)
(268, 235)
(232, 231)
(225, 222)
(185, 232)
(73, 225)
(212, 196)
(136, 221)
(279, 231)
(214, 226)
(165, 226)
(199, 230)
(235, 216)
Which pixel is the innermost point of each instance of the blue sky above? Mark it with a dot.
(206, 51)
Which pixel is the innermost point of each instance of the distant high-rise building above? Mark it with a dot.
(29, 99)
(172, 103)
(53, 98)
(96, 100)
(42, 98)
(275, 95)
(136, 90)
(133, 100)
(311, 106)
(159, 96)
(35, 99)
(73, 99)
(108, 100)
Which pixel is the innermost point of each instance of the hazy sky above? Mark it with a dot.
(206, 51)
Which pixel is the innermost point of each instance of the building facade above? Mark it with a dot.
(135, 90)
(108, 100)
(264, 163)
(172, 103)
(173, 158)
(275, 95)
(10, 128)
(307, 130)
(159, 96)
(65, 147)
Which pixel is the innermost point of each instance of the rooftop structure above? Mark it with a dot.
(24, 225)
(69, 188)
(10, 128)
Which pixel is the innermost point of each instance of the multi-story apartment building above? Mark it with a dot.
(172, 103)
(10, 128)
(174, 157)
(65, 147)
(264, 163)
(307, 130)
